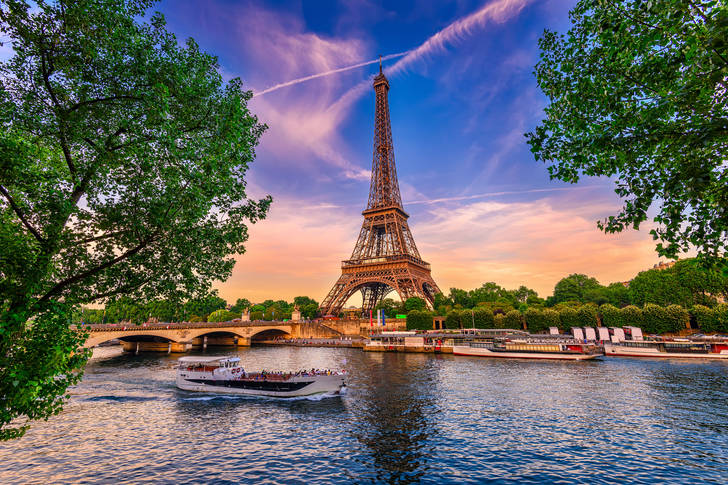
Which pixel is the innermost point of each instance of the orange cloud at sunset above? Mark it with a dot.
(297, 250)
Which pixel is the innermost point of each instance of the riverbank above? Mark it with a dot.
(342, 342)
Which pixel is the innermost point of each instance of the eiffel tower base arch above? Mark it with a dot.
(375, 283)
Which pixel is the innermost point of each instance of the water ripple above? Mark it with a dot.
(407, 418)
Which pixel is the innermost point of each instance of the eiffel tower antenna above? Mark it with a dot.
(385, 257)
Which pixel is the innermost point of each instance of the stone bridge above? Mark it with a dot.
(180, 337)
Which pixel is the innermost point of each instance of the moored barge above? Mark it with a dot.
(675, 348)
(530, 349)
(226, 375)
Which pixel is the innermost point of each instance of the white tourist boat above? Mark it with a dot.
(226, 375)
(675, 348)
(529, 349)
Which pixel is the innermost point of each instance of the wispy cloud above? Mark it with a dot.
(326, 73)
(498, 194)
(495, 11)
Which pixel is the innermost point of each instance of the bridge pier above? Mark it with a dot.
(166, 347)
(220, 341)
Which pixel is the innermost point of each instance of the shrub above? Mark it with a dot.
(513, 320)
(539, 321)
(552, 318)
(419, 320)
(195, 318)
(588, 316)
(499, 321)
(677, 319)
(654, 318)
(534, 320)
(452, 319)
(611, 316)
(483, 317)
(706, 318)
(222, 315)
(632, 316)
(568, 317)
(721, 315)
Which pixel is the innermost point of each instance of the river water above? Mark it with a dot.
(405, 418)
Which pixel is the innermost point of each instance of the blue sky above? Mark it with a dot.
(481, 208)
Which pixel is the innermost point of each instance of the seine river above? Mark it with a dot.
(405, 418)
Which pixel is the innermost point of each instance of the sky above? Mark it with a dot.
(461, 98)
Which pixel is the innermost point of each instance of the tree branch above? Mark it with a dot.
(58, 287)
(101, 100)
(21, 216)
(101, 237)
(59, 108)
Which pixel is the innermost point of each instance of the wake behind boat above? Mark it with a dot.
(226, 375)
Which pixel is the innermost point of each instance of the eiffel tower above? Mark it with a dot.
(385, 257)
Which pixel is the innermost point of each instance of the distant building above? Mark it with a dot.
(660, 266)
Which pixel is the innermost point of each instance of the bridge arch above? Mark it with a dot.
(98, 338)
(269, 333)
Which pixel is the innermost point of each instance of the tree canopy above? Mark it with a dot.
(122, 172)
(638, 91)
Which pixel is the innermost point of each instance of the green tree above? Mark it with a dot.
(539, 321)
(705, 318)
(588, 315)
(442, 301)
(483, 317)
(610, 316)
(222, 315)
(574, 288)
(122, 164)
(453, 319)
(499, 320)
(513, 319)
(460, 297)
(204, 305)
(632, 316)
(638, 92)
(419, 320)
(654, 319)
(569, 317)
(240, 305)
(677, 319)
(721, 314)
(618, 295)
(391, 308)
(256, 315)
(414, 303)
(310, 310)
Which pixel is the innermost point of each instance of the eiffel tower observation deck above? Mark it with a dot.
(385, 257)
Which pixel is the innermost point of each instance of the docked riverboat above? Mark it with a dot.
(530, 349)
(226, 375)
(676, 349)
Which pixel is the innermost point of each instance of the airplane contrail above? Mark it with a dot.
(497, 11)
(498, 194)
(327, 73)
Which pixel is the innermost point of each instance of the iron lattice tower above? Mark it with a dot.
(385, 257)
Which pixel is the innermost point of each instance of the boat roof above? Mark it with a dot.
(208, 359)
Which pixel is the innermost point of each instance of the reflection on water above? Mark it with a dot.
(405, 418)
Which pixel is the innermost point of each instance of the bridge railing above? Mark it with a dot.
(115, 327)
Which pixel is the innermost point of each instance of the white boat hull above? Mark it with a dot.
(620, 351)
(483, 352)
(309, 386)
